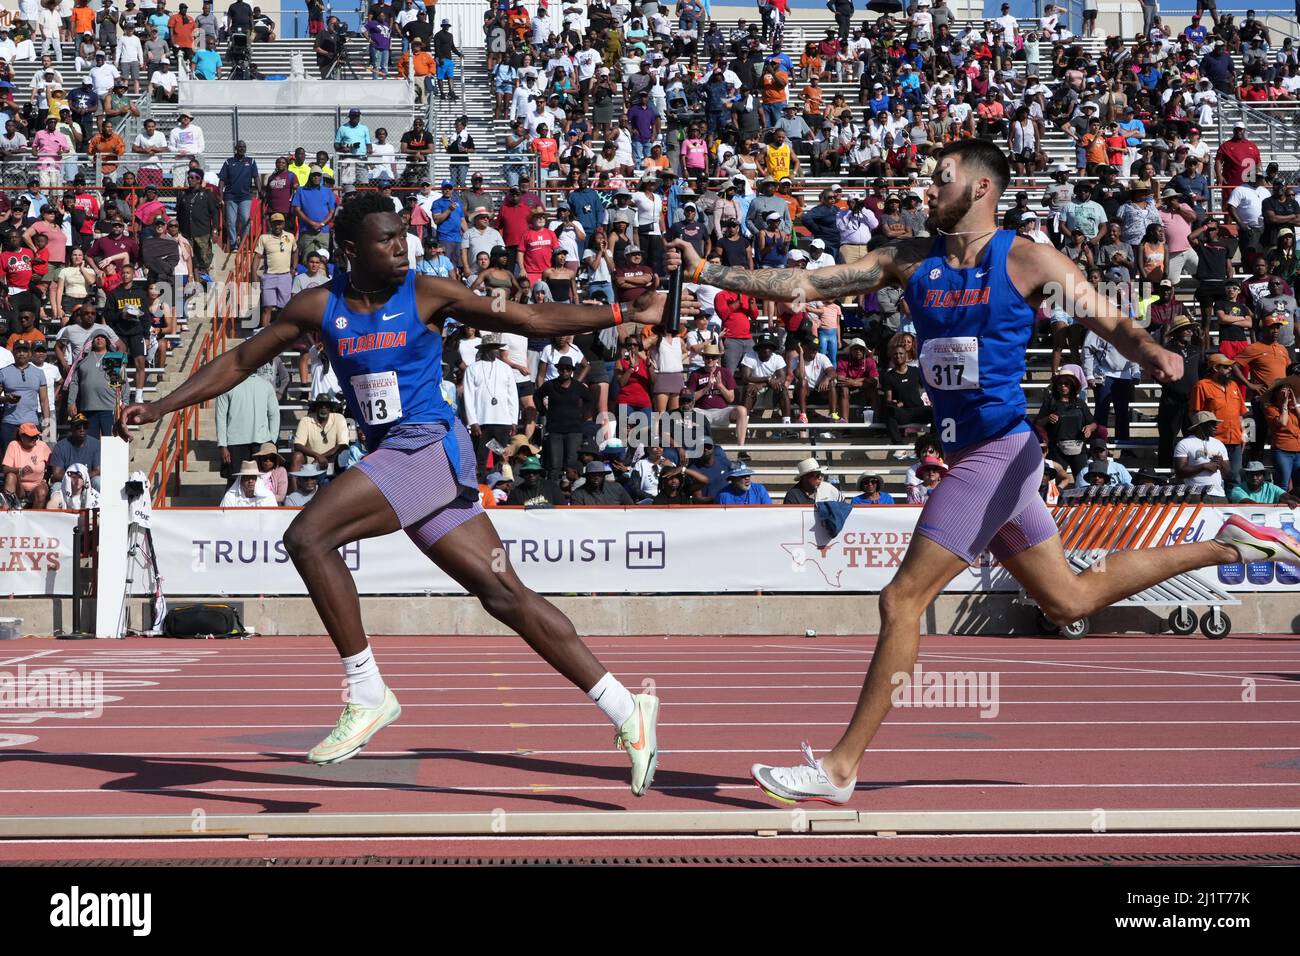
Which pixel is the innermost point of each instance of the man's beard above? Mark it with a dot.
(952, 214)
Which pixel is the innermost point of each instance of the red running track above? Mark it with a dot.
(1133, 723)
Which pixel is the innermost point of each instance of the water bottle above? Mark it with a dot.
(1259, 572)
(1287, 571)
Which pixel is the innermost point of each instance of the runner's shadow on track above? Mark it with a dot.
(666, 781)
(185, 779)
(171, 778)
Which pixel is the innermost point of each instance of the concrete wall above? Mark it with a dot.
(778, 615)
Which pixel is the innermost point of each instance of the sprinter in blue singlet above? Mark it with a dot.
(973, 291)
(381, 325)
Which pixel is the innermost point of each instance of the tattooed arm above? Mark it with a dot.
(889, 265)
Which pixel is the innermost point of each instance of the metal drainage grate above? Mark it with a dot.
(955, 859)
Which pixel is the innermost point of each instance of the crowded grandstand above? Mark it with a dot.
(557, 156)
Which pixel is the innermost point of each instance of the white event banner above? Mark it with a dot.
(612, 551)
(36, 552)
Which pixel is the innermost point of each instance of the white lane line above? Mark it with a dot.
(883, 844)
(547, 752)
(558, 687)
(1004, 703)
(1102, 667)
(562, 788)
(1000, 725)
(29, 657)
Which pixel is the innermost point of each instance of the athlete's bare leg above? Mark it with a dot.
(475, 558)
(1063, 596)
(926, 570)
(348, 509)
(351, 508)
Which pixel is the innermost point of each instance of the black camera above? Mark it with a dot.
(134, 490)
(115, 368)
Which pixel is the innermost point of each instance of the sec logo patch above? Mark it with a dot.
(935, 273)
(341, 322)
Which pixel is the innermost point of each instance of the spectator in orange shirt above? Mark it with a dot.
(1284, 431)
(107, 145)
(180, 31)
(1094, 147)
(1261, 364)
(83, 18)
(775, 81)
(27, 330)
(1219, 392)
(426, 67)
(547, 149)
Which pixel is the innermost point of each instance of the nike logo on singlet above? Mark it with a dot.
(387, 317)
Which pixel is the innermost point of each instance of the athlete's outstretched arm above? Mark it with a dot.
(227, 370)
(1058, 282)
(497, 313)
(888, 265)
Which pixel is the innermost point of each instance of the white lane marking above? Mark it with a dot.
(561, 788)
(28, 657)
(548, 752)
(17, 740)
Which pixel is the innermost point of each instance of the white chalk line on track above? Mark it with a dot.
(882, 843)
(546, 674)
(622, 788)
(27, 657)
(998, 725)
(548, 752)
(701, 703)
(660, 685)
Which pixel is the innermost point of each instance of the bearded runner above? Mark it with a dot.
(973, 291)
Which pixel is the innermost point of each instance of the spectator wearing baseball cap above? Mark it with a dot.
(276, 253)
(76, 448)
(566, 404)
(24, 463)
(741, 489)
(598, 488)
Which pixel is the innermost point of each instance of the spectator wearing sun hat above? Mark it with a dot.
(811, 486)
(307, 483)
(930, 470)
(1257, 489)
(872, 491)
(531, 487)
(249, 489)
(1200, 460)
(271, 467)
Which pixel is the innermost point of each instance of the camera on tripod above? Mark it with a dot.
(115, 368)
(237, 49)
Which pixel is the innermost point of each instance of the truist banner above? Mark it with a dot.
(621, 550)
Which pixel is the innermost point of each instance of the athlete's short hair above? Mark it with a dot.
(985, 156)
(347, 224)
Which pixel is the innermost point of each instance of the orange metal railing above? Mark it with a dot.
(172, 458)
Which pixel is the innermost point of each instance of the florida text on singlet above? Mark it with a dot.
(388, 362)
(973, 327)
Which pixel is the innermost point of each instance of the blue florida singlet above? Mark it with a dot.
(973, 327)
(388, 362)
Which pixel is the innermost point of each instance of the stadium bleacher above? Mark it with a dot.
(184, 456)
